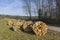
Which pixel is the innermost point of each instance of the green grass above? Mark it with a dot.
(7, 34)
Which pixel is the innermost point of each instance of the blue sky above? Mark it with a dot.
(15, 7)
(11, 7)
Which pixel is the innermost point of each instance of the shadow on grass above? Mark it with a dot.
(11, 29)
(30, 32)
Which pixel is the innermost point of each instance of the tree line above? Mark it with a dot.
(46, 9)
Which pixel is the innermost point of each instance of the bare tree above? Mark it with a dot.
(58, 7)
(58, 10)
(28, 6)
(37, 4)
(50, 7)
(42, 6)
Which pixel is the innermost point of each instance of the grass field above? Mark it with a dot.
(7, 34)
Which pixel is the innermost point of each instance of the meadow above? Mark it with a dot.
(7, 34)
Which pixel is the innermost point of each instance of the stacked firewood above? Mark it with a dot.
(39, 27)
(27, 26)
(15, 24)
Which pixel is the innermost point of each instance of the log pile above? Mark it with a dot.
(40, 28)
(27, 26)
(11, 22)
(15, 24)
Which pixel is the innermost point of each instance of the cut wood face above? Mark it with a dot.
(40, 28)
(27, 26)
(15, 24)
